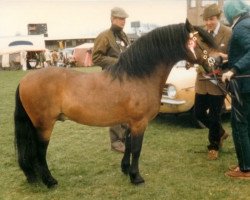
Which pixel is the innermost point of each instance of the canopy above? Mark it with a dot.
(19, 48)
(21, 42)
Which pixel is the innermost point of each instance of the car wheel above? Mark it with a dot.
(197, 123)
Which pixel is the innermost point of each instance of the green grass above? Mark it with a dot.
(173, 161)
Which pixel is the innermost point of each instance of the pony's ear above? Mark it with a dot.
(189, 26)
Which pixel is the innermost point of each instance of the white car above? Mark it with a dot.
(179, 92)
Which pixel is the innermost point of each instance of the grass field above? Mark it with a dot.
(173, 161)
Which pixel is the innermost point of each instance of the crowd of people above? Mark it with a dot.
(234, 44)
(40, 59)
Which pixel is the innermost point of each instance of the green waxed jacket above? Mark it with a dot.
(107, 48)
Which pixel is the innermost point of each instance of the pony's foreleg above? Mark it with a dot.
(136, 145)
(125, 164)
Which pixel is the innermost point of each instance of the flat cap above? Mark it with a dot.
(211, 10)
(118, 12)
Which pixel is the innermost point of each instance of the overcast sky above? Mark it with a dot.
(81, 18)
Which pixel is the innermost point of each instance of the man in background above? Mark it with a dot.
(107, 47)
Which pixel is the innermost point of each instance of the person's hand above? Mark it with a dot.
(199, 69)
(227, 76)
(224, 56)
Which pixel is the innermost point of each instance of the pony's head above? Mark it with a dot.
(201, 48)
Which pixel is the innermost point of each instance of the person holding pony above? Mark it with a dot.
(209, 98)
(238, 15)
(107, 47)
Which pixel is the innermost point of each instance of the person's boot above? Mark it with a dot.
(118, 146)
(117, 133)
(212, 154)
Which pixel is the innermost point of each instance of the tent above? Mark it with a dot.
(22, 56)
(83, 55)
(21, 52)
(25, 40)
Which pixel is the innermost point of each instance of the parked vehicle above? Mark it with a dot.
(66, 58)
(179, 92)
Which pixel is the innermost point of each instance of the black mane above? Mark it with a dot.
(162, 45)
(206, 37)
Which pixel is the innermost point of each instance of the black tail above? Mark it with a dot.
(26, 140)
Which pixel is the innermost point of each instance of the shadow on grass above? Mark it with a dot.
(184, 120)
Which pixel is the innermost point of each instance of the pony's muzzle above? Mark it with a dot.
(215, 62)
(218, 61)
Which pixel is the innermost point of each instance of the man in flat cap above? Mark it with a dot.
(209, 98)
(107, 47)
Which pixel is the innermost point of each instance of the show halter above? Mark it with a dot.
(192, 43)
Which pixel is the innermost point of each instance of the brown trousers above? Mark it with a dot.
(117, 133)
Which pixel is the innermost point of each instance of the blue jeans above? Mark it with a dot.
(240, 121)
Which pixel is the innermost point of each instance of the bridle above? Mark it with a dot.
(193, 42)
(210, 60)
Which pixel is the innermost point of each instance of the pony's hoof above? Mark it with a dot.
(125, 169)
(32, 179)
(136, 179)
(52, 183)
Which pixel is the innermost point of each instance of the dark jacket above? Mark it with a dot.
(239, 51)
(108, 46)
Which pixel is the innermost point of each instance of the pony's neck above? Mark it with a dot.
(160, 76)
(163, 45)
(174, 57)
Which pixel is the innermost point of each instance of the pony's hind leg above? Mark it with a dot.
(136, 145)
(125, 163)
(31, 144)
(25, 141)
(43, 169)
